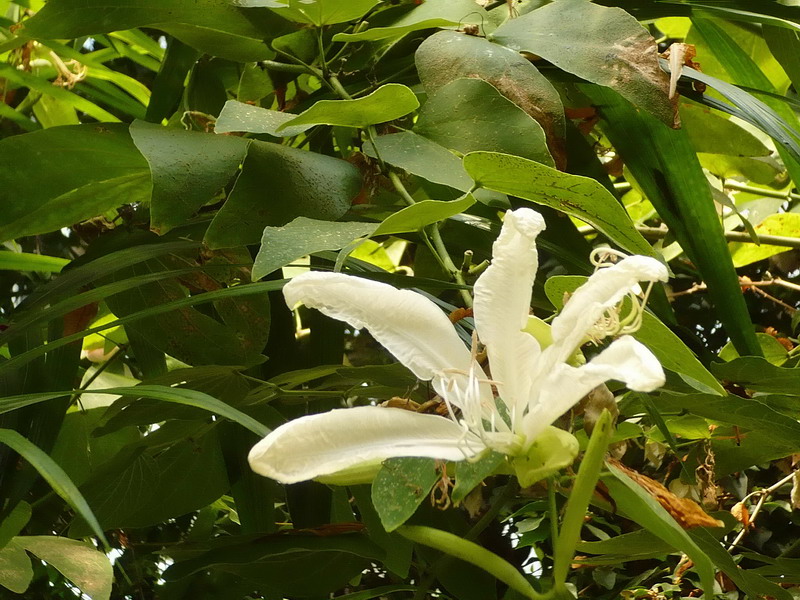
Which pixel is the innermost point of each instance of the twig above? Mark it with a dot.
(763, 495)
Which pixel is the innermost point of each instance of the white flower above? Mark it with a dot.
(534, 385)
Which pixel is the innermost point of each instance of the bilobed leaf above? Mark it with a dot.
(25, 261)
(80, 171)
(664, 164)
(783, 224)
(238, 116)
(400, 487)
(450, 55)
(54, 476)
(467, 115)
(785, 46)
(187, 168)
(319, 12)
(603, 45)
(422, 214)
(214, 26)
(578, 196)
(278, 184)
(639, 506)
(668, 348)
(81, 563)
(432, 13)
(302, 236)
(388, 102)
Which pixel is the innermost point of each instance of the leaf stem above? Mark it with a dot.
(472, 553)
(579, 499)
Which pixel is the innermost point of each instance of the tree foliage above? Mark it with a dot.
(168, 165)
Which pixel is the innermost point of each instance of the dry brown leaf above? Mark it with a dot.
(795, 495)
(686, 512)
(741, 514)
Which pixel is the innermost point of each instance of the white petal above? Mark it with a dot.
(624, 360)
(502, 305)
(327, 443)
(407, 324)
(604, 289)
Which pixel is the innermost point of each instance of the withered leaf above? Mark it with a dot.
(685, 511)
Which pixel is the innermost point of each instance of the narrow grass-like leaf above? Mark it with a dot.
(25, 261)
(665, 165)
(54, 475)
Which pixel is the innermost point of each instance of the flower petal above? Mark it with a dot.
(624, 360)
(603, 290)
(407, 324)
(346, 439)
(503, 302)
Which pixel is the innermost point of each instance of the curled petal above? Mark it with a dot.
(603, 290)
(407, 324)
(624, 360)
(503, 301)
(353, 439)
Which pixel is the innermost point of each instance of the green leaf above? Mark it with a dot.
(25, 261)
(422, 214)
(664, 164)
(752, 584)
(388, 102)
(80, 171)
(745, 71)
(628, 546)
(238, 116)
(710, 132)
(213, 26)
(377, 592)
(603, 45)
(398, 549)
(758, 374)
(223, 294)
(668, 348)
(159, 484)
(81, 563)
(400, 487)
(54, 476)
(13, 523)
(773, 350)
(300, 184)
(785, 46)
(42, 85)
(421, 157)
(16, 572)
(188, 169)
(783, 224)
(279, 565)
(432, 13)
(449, 55)
(470, 114)
(469, 475)
(168, 84)
(578, 196)
(317, 13)
(640, 507)
(743, 412)
(282, 245)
